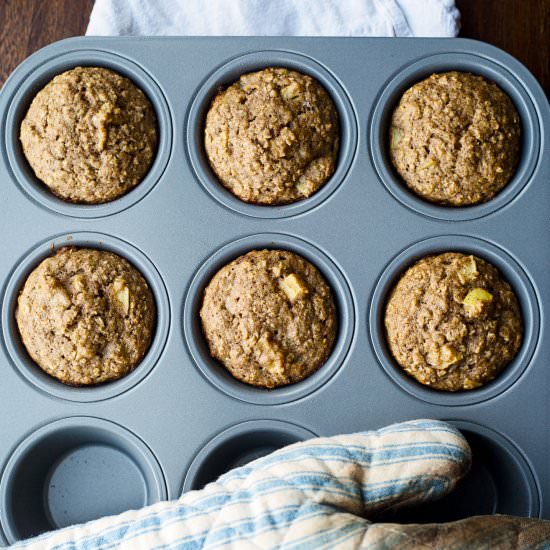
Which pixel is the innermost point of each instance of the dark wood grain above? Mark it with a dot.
(520, 27)
(28, 25)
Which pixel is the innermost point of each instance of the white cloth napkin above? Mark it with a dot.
(275, 17)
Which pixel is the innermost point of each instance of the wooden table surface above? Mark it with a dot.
(521, 27)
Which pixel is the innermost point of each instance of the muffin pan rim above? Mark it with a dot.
(419, 69)
(143, 455)
(19, 357)
(251, 62)
(359, 215)
(522, 286)
(214, 371)
(37, 77)
(246, 427)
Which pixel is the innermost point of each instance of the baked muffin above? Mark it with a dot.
(455, 139)
(272, 137)
(452, 322)
(90, 135)
(269, 318)
(86, 316)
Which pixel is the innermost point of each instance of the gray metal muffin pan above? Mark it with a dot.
(71, 454)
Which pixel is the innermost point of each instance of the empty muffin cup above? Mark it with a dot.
(500, 482)
(75, 470)
(239, 445)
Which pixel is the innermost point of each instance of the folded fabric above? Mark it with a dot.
(316, 495)
(274, 17)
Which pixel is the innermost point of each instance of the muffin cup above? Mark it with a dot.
(16, 349)
(509, 269)
(406, 77)
(75, 470)
(34, 82)
(228, 74)
(215, 372)
(237, 446)
(500, 481)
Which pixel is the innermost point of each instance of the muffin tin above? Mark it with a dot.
(179, 420)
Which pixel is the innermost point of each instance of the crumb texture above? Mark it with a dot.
(452, 322)
(272, 137)
(269, 318)
(86, 316)
(90, 135)
(455, 139)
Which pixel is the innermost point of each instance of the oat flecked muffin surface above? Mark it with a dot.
(452, 322)
(269, 318)
(86, 316)
(90, 135)
(455, 139)
(272, 137)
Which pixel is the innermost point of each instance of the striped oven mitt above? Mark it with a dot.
(319, 495)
